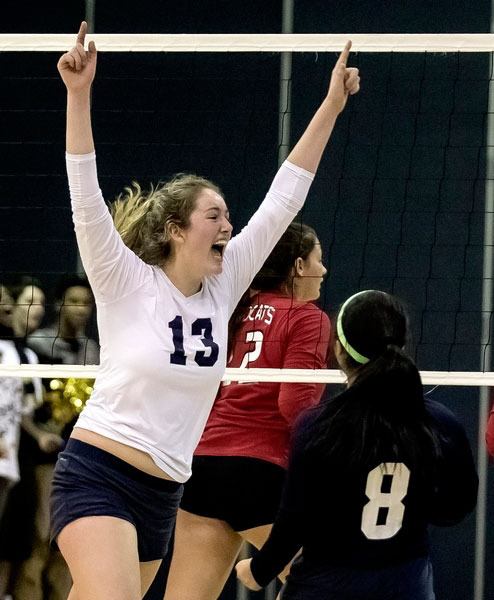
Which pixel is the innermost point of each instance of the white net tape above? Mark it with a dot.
(281, 42)
(456, 378)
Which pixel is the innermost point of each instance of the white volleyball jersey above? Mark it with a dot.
(13, 405)
(163, 354)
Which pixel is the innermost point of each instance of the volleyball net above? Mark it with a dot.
(402, 202)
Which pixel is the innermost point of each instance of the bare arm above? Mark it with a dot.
(77, 69)
(344, 82)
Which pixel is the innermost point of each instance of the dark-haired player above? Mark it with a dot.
(369, 471)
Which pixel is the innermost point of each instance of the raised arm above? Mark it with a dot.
(77, 69)
(112, 268)
(344, 82)
(247, 251)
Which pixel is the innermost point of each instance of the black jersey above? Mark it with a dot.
(374, 518)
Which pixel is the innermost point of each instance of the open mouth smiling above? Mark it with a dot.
(219, 248)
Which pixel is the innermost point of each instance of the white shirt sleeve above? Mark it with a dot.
(113, 269)
(32, 401)
(247, 251)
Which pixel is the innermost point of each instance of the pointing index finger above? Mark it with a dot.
(343, 58)
(81, 35)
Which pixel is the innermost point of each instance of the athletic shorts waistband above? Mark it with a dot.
(84, 450)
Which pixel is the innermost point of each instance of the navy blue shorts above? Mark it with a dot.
(411, 580)
(245, 492)
(91, 482)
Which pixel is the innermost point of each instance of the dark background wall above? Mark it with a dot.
(398, 199)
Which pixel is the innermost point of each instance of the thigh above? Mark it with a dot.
(94, 483)
(256, 536)
(148, 571)
(204, 552)
(102, 556)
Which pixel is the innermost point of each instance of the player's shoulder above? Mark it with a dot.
(444, 419)
(437, 410)
(307, 312)
(309, 308)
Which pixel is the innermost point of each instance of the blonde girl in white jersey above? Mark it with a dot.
(163, 311)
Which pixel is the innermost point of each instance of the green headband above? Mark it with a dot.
(363, 360)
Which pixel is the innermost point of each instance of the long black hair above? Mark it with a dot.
(382, 415)
(298, 241)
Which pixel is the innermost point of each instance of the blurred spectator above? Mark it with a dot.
(44, 575)
(6, 306)
(10, 404)
(21, 311)
(65, 340)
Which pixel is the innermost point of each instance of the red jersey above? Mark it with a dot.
(255, 419)
(489, 434)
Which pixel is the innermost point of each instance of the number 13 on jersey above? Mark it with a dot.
(200, 327)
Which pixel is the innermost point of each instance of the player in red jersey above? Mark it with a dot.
(239, 465)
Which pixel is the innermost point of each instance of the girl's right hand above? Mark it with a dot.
(78, 66)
